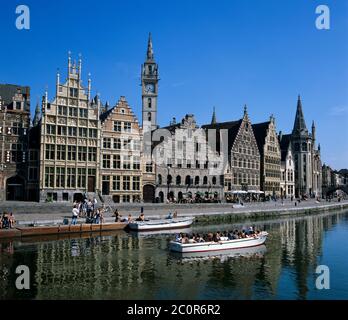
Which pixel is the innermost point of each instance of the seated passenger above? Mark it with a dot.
(169, 216)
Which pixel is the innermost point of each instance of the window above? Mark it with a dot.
(126, 183)
(106, 161)
(127, 144)
(127, 127)
(50, 129)
(198, 164)
(169, 179)
(33, 173)
(50, 150)
(83, 113)
(117, 126)
(18, 105)
(60, 152)
(81, 177)
(62, 110)
(60, 177)
(205, 180)
(136, 145)
(72, 153)
(126, 162)
(178, 180)
(214, 180)
(188, 164)
(72, 131)
(72, 112)
(71, 178)
(149, 116)
(116, 183)
(106, 143)
(92, 133)
(188, 180)
(117, 144)
(136, 183)
(73, 92)
(16, 128)
(196, 180)
(117, 161)
(92, 154)
(83, 132)
(82, 154)
(149, 103)
(49, 177)
(126, 198)
(136, 163)
(148, 167)
(33, 155)
(159, 179)
(61, 131)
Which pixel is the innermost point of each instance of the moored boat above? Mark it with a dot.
(160, 224)
(254, 241)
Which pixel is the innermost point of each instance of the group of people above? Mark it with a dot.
(217, 236)
(7, 221)
(87, 209)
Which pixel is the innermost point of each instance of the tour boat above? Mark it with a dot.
(160, 224)
(219, 246)
(257, 251)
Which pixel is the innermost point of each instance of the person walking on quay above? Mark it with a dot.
(75, 214)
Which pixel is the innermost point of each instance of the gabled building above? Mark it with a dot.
(236, 142)
(267, 141)
(121, 171)
(287, 167)
(14, 129)
(70, 140)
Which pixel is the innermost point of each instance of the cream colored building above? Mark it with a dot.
(121, 172)
(70, 140)
(287, 176)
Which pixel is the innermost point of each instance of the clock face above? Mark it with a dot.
(150, 88)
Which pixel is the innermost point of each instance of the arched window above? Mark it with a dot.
(205, 180)
(178, 180)
(169, 179)
(159, 179)
(149, 103)
(149, 116)
(214, 180)
(188, 180)
(196, 180)
(244, 163)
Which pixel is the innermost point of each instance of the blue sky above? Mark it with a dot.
(222, 53)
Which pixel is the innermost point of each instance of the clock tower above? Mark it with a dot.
(149, 83)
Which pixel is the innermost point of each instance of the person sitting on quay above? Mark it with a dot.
(75, 214)
(175, 215)
(117, 216)
(12, 221)
(169, 216)
(4, 223)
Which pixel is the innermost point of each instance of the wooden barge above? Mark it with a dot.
(60, 229)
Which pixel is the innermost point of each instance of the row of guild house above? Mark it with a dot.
(78, 146)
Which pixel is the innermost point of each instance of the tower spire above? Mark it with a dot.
(149, 54)
(36, 115)
(300, 124)
(213, 118)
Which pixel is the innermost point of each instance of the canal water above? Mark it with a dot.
(130, 266)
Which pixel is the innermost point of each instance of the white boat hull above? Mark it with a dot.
(163, 224)
(218, 246)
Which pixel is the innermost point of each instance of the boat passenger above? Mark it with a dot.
(169, 216)
(192, 240)
(75, 214)
(175, 215)
(130, 219)
(141, 217)
(178, 237)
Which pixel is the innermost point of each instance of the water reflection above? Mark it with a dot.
(128, 266)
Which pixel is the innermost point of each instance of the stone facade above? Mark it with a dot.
(15, 182)
(242, 170)
(121, 172)
(70, 140)
(287, 170)
(185, 166)
(267, 141)
(308, 175)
